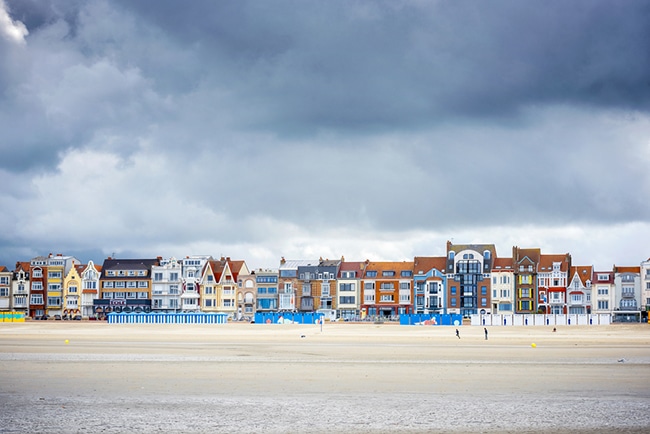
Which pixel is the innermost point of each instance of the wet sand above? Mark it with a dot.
(357, 378)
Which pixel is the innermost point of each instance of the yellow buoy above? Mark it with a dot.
(67, 341)
(534, 345)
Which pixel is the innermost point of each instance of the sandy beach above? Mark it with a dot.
(357, 378)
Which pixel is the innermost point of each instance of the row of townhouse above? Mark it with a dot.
(470, 279)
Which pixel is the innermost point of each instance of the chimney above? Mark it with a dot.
(283, 261)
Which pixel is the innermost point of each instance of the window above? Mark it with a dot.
(603, 304)
(483, 290)
(371, 273)
(386, 298)
(505, 307)
(227, 303)
(406, 273)
(4, 292)
(157, 277)
(306, 290)
(72, 289)
(54, 275)
(386, 286)
(347, 300)
(54, 287)
(131, 284)
(72, 302)
(37, 273)
(369, 285)
(525, 305)
(267, 303)
(369, 298)
(173, 277)
(453, 290)
(208, 290)
(173, 289)
(90, 284)
(54, 301)
(266, 279)
(37, 286)
(173, 303)
(404, 298)
(37, 299)
(453, 302)
(208, 302)
(483, 301)
(346, 287)
(405, 285)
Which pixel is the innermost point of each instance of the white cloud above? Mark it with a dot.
(12, 30)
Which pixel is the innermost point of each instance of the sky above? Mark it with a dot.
(305, 129)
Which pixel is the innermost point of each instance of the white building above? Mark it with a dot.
(166, 286)
(192, 271)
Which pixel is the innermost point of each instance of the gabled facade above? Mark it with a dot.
(219, 285)
(627, 281)
(244, 298)
(166, 285)
(503, 286)
(20, 286)
(89, 288)
(579, 290)
(72, 292)
(387, 289)
(348, 287)
(468, 277)
(5, 288)
(552, 280)
(528, 297)
(429, 283)
(125, 286)
(603, 292)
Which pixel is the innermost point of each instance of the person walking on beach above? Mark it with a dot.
(457, 334)
(485, 329)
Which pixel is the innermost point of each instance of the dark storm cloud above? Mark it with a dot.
(382, 65)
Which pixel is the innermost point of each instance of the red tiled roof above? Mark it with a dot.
(502, 264)
(427, 263)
